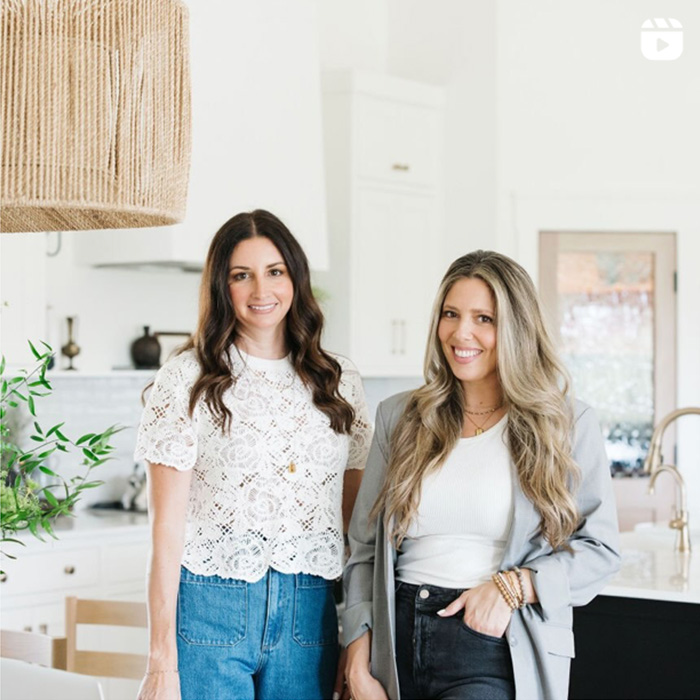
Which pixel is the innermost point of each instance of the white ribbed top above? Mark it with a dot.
(464, 516)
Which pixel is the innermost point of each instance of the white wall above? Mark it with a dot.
(592, 136)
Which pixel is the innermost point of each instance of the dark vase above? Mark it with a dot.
(145, 351)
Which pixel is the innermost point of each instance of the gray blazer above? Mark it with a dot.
(540, 636)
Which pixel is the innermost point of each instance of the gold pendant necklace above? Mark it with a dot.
(480, 428)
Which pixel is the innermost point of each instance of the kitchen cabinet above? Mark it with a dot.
(383, 163)
(256, 135)
(22, 294)
(639, 638)
(96, 556)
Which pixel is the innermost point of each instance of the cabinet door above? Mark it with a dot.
(372, 338)
(415, 248)
(23, 295)
(393, 281)
(396, 142)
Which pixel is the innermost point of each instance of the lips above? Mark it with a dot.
(262, 308)
(465, 355)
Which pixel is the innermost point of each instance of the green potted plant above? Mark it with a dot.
(24, 503)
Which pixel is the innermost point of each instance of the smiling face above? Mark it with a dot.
(467, 332)
(261, 289)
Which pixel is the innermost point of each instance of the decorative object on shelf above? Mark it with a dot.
(71, 348)
(96, 114)
(26, 504)
(171, 342)
(136, 495)
(145, 351)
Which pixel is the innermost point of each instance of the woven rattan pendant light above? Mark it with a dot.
(95, 110)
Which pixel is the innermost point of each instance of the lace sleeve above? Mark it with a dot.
(167, 435)
(361, 431)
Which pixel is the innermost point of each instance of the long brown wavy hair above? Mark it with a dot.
(216, 328)
(535, 387)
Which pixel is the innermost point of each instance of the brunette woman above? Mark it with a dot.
(255, 438)
(486, 512)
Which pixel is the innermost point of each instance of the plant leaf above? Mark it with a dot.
(50, 497)
(35, 352)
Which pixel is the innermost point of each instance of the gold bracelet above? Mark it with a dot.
(496, 578)
(521, 583)
(512, 585)
(165, 670)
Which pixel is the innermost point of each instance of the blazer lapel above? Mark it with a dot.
(524, 520)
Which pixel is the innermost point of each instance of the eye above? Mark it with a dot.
(447, 313)
(276, 272)
(483, 318)
(238, 277)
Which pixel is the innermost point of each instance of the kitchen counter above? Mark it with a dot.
(89, 522)
(654, 597)
(652, 570)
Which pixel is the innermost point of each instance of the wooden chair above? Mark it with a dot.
(103, 612)
(34, 648)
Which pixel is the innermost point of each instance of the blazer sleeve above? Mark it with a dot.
(574, 578)
(358, 576)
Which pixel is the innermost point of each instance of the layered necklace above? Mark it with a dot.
(488, 413)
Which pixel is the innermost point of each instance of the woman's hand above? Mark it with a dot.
(485, 610)
(361, 684)
(160, 686)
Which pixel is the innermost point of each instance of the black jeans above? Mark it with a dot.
(442, 658)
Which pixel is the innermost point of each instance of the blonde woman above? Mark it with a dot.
(486, 511)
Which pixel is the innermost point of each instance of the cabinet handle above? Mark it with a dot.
(393, 337)
(402, 167)
(27, 628)
(43, 629)
(69, 569)
(3, 577)
(403, 337)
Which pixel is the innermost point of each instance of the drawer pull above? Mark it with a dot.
(403, 167)
(43, 629)
(69, 569)
(27, 628)
(3, 577)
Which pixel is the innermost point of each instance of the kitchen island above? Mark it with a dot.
(640, 638)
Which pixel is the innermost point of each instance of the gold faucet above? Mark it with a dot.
(653, 460)
(653, 465)
(680, 522)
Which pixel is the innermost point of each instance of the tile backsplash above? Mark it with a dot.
(90, 403)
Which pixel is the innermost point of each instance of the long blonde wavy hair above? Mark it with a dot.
(535, 387)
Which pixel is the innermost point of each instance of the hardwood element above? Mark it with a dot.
(33, 648)
(103, 612)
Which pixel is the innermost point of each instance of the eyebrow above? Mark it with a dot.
(243, 267)
(488, 312)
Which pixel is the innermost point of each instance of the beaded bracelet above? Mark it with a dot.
(521, 583)
(513, 587)
(497, 578)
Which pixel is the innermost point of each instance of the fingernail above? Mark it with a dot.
(336, 696)
(441, 612)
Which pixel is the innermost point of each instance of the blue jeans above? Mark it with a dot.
(276, 639)
(443, 658)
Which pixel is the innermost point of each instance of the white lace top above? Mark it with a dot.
(269, 493)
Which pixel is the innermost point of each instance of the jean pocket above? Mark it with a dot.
(481, 635)
(315, 614)
(212, 614)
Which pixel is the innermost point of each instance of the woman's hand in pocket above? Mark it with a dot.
(485, 610)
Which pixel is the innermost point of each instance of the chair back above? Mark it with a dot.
(81, 611)
(34, 648)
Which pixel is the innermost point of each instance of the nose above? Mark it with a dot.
(260, 286)
(465, 330)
